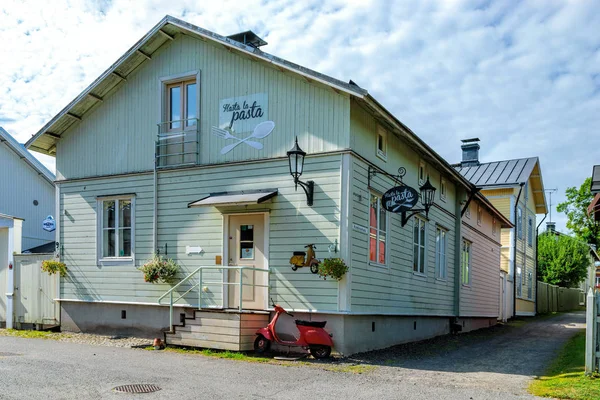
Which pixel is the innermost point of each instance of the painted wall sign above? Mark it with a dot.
(49, 224)
(360, 228)
(242, 114)
(399, 199)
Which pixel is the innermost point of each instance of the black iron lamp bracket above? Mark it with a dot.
(397, 178)
(309, 189)
(413, 212)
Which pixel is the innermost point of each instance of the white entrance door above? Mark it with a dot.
(246, 248)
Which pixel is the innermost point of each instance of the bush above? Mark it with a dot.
(53, 266)
(332, 267)
(159, 269)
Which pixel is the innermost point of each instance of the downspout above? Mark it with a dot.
(155, 201)
(515, 250)
(537, 233)
(457, 256)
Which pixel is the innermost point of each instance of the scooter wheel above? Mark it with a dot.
(314, 268)
(320, 352)
(261, 344)
(294, 268)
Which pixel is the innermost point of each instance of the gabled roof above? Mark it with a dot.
(45, 140)
(26, 156)
(508, 173)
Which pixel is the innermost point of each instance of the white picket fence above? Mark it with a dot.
(592, 342)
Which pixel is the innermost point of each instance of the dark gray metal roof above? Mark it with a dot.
(508, 173)
(499, 173)
(596, 179)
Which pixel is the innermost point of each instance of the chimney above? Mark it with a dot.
(248, 38)
(470, 152)
(551, 226)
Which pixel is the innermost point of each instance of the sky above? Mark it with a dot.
(523, 76)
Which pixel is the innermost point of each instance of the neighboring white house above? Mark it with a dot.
(26, 191)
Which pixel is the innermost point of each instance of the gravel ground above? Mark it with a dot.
(495, 363)
(87, 338)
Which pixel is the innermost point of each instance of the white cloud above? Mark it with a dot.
(522, 76)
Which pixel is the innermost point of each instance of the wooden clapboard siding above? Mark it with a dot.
(124, 125)
(396, 289)
(481, 297)
(292, 225)
(219, 330)
(21, 185)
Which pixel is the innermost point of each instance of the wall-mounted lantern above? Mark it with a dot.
(427, 196)
(296, 158)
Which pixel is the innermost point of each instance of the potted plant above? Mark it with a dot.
(53, 266)
(332, 267)
(159, 270)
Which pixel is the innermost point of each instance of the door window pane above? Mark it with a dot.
(247, 232)
(191, 104)
(175, 106)
(246, 242)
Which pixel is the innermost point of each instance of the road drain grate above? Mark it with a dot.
(137, 388)
(4, 354)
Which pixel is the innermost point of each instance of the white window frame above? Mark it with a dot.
(421, 265)
(530, 231)
(529, 285)
(443, 189)
(383, 134)
(466, 281)
(479, 214)
(422, 173)
(468, 212)
(163, 106)
(378, 230)
(441, 256)
(100, 230)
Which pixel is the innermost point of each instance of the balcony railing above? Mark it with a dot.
(178, 143)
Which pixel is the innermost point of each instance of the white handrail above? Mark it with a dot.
(199, 271)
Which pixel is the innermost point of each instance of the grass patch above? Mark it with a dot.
(565, 377)
(240, 356)
(32, 334)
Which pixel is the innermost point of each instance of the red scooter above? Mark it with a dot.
(312, 336)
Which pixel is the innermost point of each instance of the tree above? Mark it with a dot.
(562, 260)
(579, 222)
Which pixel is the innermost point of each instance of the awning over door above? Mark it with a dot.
(235, 198)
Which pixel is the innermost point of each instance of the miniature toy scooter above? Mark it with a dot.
(312, 336)
(305, 259)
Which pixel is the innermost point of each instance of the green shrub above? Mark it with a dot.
(332, 267)
(159, 269)
(53, 266)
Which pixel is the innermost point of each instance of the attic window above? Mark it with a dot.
(479, 215)
(381, 143)
(494, 227)
(421, 172)
(443, 189)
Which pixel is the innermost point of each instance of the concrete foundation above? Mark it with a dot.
(351, 333)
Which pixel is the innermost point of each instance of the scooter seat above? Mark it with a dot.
(314, 324)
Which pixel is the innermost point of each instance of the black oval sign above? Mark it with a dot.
(400, 198)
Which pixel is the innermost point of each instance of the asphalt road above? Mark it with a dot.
(494, 367)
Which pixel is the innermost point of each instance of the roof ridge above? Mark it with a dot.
(23, 153)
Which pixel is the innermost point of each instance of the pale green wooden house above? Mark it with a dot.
(181, 148)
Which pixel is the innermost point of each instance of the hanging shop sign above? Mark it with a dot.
(399, 199)
(49, 224)
(242, 115)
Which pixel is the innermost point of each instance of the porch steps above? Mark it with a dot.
(219, 329)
